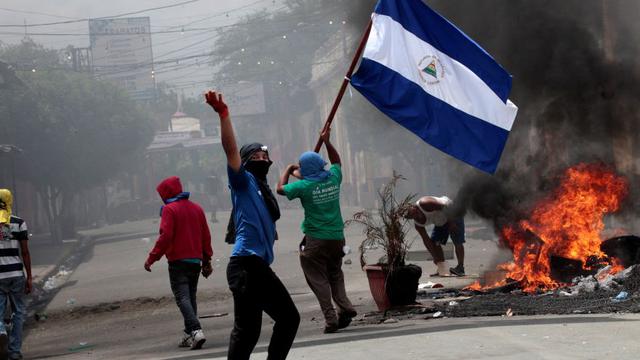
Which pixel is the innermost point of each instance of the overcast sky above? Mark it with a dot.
(198, 14)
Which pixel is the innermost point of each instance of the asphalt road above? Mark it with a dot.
(125, 312)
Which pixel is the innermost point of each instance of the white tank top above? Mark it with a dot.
(438, 217)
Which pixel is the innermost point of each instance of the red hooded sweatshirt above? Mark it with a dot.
(184, 232)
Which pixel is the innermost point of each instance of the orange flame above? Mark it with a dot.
(475, 286)
(616, 266)
(567, 224)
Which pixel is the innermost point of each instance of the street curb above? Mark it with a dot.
(56, 266)
(40, 298)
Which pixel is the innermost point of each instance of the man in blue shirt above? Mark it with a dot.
(255, 287)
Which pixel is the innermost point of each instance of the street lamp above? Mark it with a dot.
(8, 148)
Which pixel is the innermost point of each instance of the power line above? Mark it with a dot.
(37, 13)
(167, 65)
(111, 70)
(103, 17)
(205, 30)
(182, 30)
(117, 34)
(218, 14)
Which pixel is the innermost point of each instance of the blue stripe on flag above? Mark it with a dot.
(416, 17)
(455, 132)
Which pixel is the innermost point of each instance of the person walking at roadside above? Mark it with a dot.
(186, 242)
(15, 260)
(255, 287)
(321, 251)
(431, 210)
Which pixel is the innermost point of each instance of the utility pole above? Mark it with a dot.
(81, 59)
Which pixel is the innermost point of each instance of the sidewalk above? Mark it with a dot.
(45, 258)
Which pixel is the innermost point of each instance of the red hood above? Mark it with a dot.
(169, 187)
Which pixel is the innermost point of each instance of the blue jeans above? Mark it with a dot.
(183, 277)
(13, 289)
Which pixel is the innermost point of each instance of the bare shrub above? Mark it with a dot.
(386, 227)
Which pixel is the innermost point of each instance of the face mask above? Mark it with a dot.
(258, 168)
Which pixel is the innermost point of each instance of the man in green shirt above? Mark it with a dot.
(321, 251)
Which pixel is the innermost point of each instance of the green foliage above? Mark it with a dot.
(80, 126)
(75, 132)
(280, 49)
(29, 55)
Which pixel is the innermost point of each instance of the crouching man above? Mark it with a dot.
(431, 210)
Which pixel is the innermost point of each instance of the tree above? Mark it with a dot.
(279, 50)
(75, 132)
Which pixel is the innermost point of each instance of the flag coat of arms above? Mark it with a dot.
(428, 76)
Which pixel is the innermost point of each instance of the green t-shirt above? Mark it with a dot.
(321, 203)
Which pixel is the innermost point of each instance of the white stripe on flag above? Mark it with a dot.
(459, 87)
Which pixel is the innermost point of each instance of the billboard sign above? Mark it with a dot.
(121, 53)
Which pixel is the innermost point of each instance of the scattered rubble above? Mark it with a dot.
(599, 293)
(58, 279)
(588, 294)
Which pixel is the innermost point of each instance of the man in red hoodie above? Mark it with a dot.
(186, 242)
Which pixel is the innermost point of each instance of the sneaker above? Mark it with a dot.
(15, 356)
(457, 271)
(186, 341)
(331, 328)
(198, 339)
(344, 319)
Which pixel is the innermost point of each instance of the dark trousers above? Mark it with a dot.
(183, 277)
(321, 262)
(256, 288)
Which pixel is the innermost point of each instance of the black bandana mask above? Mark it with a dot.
(259, 168)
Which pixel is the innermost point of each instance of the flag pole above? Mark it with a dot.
(345, 82)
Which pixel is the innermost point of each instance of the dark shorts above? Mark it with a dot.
(453, 229)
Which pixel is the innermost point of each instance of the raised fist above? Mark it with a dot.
(215, 101)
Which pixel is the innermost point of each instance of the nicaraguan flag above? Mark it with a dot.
(427, 75)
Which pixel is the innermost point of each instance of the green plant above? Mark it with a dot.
(386, 227)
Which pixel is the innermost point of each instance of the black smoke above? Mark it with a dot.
(576, 75)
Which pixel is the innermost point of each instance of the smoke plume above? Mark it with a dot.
(575, 82)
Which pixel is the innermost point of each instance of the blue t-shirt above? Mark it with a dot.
(255, 230)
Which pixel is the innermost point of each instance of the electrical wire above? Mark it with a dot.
(37, 13)
(102, 17)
